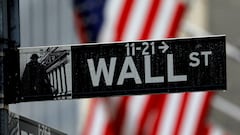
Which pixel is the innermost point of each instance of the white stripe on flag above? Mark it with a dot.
(170, 114)
(112, 11)
(164, 18)
(136, 20)
(192, 113)
(135, 106)
(98, 123)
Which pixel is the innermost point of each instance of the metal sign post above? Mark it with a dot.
(9, 41)
(3, 45)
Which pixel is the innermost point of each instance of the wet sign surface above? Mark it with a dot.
(123, 68)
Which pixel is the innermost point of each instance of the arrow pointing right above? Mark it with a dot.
(164, 47)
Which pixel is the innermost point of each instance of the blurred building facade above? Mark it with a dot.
(223, 18)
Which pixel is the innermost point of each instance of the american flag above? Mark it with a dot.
(159, 114)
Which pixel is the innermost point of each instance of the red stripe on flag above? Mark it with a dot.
(89, 120)
(120, 116)
(206, 130)
(151, 114)
(146, 112)
(179, 12)
(159, 108)
(108, 130)
(123, 19)
(181, 113)
(156, 4)
(203, 114)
